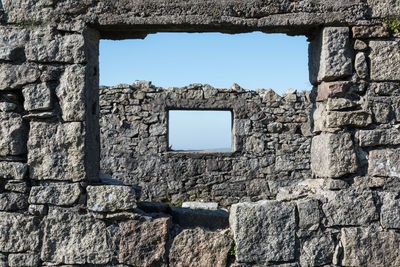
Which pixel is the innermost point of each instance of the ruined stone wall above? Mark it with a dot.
(56, 209)
(271, 143)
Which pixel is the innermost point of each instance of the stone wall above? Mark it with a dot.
(338, 205)
(271, 143)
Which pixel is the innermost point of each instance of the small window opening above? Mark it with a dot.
(200, 130)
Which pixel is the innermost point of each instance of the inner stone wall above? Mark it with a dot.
(271, 142)
(57, 210)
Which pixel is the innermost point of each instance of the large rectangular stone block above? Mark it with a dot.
(15, 76)
(369, 247)
(384, 162)
(18, 233)
(264, 231)
(385, 60)
(61, 194)
(330, 55)
(75, 239)
(378, 137)
(333, 155)
(13, 134)
(56, 151)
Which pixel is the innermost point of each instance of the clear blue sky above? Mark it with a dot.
(253, 60)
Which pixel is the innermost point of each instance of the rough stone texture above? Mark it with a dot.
(379, 137)
(268, 143)
(330, 55)
(384, 162)
(366, 32)
(12, 43)
(390, 211)
(12, 201)
(75, 239)
(336, 104)
(385, 60)
(200, 205)
(37, 97)
(197, 247)
(264, 231)
(46, 47)
(56, 151)
(71, 93)
(60, 194)
(13, 134)
(147, 249)
(111, 198)
(18, 233)
(332, 89)
(23, 260)
(309, 214)
(363, 246)
(333, 155)
(13, 77)
(384, 8)
(340, 119)
(360, 45)
(361, 65)
(13, 170)
(318, 250)
(349, 207)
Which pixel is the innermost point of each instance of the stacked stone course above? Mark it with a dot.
(325, 165)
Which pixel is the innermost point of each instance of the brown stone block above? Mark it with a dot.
(332, 89)
(363, 32)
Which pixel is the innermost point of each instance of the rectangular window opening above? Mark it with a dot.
(200, 130)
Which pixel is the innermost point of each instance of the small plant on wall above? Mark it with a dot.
(393, 24)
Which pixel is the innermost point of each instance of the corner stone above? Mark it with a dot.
(56, 151)
(264, 231)
(333, 155)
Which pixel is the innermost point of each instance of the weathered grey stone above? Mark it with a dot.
(11, 201)
(197, 247)
(18, 233)
(37, 97)
(365, 32)
(340, 119)
(349, 207)
(71, 93)
(75, 239)
(385, 60)
(318, 250)
(332, 89)
(361, 66)
(60, 194)
(211, 219)
(200, 205)
(15, 76)
(111, 198)
(309, 214)
(3, 260)
(339, 104)
(16, 186)
(7, 106)
(13, 134)
(12, 43)
(385, 88)
(13, 170)
(360, 45)
(369, 247)
(332, 184)
(23, 260)
(379, 137)
(45, 46)
(384, 162)
(330, 55)
(37, 210)
(390, 211)
(264, 231)
(56, 151)
(148, 248)
(333, 155)
(384, 8)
